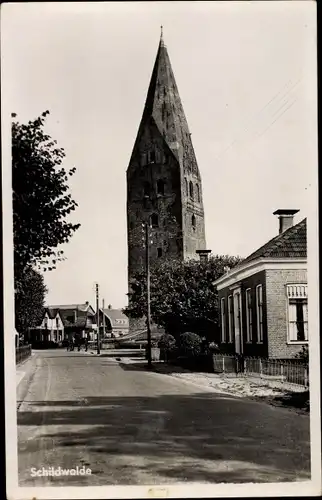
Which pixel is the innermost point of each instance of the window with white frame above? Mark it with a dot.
(223, 320)
(230, 318)
(249, 315)
(259, 312)
(297, 313)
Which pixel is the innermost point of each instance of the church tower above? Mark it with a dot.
(163, 179)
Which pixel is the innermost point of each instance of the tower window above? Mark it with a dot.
(146, 188)
(160, 186)
(191, 190)
(198, 193)
(193, 221)
(151, 157)
(186, 186)
(154, 220)
(159, 252)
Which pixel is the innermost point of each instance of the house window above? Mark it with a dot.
(259, 312)
(223, 320)
(193, 221)
(297, 313)
(198, 192)
(146, 187)
(159, 252)
(154, 220)
(230, 318)
(57, 323)
(191, 190)
(160, 186)
(249, 314)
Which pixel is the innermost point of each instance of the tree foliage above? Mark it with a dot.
(183, 297)
(29, 299)
(41, 201)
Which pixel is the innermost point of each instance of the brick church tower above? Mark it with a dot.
(163, 179)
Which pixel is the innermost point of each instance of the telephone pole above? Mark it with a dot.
(98, 320)
(103, 307)
(148, 315)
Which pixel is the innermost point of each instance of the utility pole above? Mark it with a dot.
(148, 315)
(98, 320)
(103, 307)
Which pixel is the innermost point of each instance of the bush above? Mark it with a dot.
(303, 355)
(190, 344)
(166, 342)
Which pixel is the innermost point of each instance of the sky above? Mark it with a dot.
(246, 74)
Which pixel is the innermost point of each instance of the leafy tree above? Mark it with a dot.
(29, 299)
(183, 297)
(41, 200)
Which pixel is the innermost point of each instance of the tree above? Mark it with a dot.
(29, 299)
(41, 201)
(183, 297)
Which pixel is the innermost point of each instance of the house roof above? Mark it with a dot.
(289, 244)
(52, 312)
(78, 307)
(115, 315)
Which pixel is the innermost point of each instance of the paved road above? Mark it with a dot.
(135, 427)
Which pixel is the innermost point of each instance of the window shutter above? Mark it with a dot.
(306, 319)
(292, 322)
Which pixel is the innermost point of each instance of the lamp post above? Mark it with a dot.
(148, 292)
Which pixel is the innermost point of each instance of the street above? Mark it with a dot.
(134, 427)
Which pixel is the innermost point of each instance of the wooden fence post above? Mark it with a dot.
(260, 367)
(223, 364)
(282, 371)
(245, 366)
(306, 378)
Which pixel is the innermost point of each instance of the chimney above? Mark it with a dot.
(109, 306)
(286, 218)
(203, 255)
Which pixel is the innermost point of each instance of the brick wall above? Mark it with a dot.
(252, 348)
(277, 315)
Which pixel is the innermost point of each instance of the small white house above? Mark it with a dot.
(51, 327)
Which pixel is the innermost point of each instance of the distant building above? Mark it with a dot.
(60, 322)
(264, 300)
(116, 323)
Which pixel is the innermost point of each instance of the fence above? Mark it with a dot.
(289, 371)
(22, 353)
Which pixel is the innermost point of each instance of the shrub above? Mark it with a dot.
(190, 344)
(303, 355)
(166, 342)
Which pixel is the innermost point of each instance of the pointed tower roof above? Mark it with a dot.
(163, 106)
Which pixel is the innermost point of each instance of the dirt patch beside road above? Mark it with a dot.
(272, 392)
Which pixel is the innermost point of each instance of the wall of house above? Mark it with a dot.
(253, 348)
(277, 307)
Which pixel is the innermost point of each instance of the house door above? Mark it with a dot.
(238, 322)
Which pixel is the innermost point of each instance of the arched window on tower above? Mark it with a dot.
(193, 221)
(146, 187)
(160, 186)
(151, 157)
(191, 190)
(186, 186)
(154, 220)
(198, 193)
